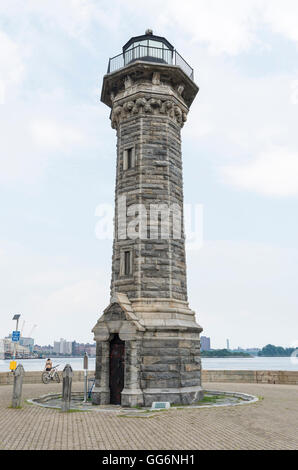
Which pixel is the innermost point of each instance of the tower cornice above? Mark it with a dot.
(141, 71)
(144, 104)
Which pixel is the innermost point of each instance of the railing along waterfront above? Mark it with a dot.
(151, 54)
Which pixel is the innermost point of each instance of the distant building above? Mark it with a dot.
(44, 350)
(252, 351)
(62, 347)
(47, 349)
(27, 342)
(2, 352)
(91, 349)
(228, 344)
(8, 348)
(205, 343)
(79, 349)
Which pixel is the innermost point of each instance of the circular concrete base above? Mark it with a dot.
(212, 398)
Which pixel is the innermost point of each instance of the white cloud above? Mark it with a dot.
(229, 27)
(244, 291)
(226, 27)
(75, 18)
(63, 297)
(49, 134)
(72, 310)
(42, 128)
(11, 66)
(236, 109)
(272, 173)
(282, 17)
(251, 128)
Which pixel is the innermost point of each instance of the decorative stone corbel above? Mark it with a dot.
(128, 82)
(156, 78)
(148, 106)
(180, 89)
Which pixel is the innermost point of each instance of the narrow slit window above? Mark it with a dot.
(127, 255)
(128, 158)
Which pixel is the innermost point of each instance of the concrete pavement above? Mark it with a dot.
(270, 423)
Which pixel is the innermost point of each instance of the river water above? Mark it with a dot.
(253, 363)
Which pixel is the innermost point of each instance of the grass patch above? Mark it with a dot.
(137, 416)
(74, 411)
(211, 399)
(157, 411)
(206, 399)
(173, 405)
(28, 402)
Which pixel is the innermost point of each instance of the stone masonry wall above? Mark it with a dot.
(170, 363)
(251, 376)
(158, 264)
(221, 376)
(34, 377)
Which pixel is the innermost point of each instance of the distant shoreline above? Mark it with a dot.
(230, 356)
(208, 363)
(224, 353)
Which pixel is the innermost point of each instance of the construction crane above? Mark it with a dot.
(22, 329)
(31, 331)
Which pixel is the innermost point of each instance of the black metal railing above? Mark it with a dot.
(150, 54)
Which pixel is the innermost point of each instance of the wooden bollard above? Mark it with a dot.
(18, 375)
(66, 390)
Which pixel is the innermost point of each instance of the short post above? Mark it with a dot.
(66, 390)
(18, 375)
(85, 376)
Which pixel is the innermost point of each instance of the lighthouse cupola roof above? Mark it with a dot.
(148, 40)
(149, 48)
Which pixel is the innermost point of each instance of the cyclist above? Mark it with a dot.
(50, 373)
(49, 365)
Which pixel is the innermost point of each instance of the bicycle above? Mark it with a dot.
(49, 375)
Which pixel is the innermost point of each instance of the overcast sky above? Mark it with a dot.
(240, 152)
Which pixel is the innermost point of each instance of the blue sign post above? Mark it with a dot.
(15, 337)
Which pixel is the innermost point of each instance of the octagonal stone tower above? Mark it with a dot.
(148, 341)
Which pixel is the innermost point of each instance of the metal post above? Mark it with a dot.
(15, 317)
(15, 344)
(17, 386)
(66, 389)
(85, 376)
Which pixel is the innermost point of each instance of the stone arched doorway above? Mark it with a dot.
(116, 369)
(118, 335)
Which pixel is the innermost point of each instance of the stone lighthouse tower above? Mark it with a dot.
(148, 341)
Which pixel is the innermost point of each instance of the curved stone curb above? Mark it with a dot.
(130, 412)
(248, 399)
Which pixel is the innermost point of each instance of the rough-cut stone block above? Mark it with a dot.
(149, 105)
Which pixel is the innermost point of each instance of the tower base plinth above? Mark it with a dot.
(161, 353)
(177, 396)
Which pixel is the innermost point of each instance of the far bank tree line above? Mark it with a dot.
(276, 351)
(267, 351)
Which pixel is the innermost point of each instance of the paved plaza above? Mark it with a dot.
(271, 423)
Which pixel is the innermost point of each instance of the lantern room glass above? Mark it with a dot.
(148, 50)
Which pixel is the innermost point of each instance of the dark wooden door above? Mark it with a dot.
(116, 369)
